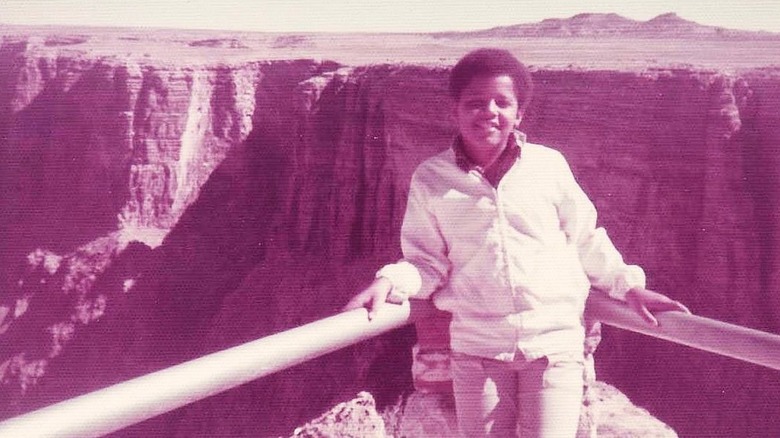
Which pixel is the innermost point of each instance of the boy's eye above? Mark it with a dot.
(481, 103)
(474, 104)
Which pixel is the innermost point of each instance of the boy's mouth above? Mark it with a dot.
(488, 127)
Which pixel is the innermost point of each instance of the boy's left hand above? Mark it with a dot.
(645, 302)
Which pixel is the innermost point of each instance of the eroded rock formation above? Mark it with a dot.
(261, 195)
(607, 413)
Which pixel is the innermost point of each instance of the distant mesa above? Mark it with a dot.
(221, 43)
(63, 40)
(291, 41)
(588, 25)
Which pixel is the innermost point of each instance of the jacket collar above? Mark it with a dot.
(498, 168)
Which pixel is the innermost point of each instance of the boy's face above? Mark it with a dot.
(486, 114)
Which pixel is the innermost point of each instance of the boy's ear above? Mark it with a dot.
(520, 114)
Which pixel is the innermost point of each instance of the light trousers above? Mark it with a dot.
(541, 398)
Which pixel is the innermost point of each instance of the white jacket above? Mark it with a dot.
(514, 264)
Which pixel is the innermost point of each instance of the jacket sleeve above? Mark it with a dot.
(425, 265)
(601, 261)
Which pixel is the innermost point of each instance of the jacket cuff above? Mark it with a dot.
(631, 277)
(405, 279)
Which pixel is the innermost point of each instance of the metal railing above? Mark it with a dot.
(706, 334)
(133, 401)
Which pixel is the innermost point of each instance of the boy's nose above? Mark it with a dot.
(491, 107)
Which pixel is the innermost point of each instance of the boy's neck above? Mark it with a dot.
(501, 164)
(483, 158)
(486, 157)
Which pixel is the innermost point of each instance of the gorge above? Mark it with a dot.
(156, 208)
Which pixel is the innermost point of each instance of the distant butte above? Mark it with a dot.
(668, 25)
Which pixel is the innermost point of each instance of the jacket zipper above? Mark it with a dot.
(502, 224)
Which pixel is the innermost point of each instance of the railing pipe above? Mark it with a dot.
(133, 401)
(706, 334)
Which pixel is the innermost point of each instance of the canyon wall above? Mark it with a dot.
(153, 212)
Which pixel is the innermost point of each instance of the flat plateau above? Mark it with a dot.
(205, 47)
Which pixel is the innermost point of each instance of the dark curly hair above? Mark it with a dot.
(491, 62)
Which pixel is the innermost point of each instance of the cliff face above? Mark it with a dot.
(144, 138)
(279, 187)
(682, 167)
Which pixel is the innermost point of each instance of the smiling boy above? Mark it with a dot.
(498, 232)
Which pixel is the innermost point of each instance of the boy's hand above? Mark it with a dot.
(645, 302)
(373, 297)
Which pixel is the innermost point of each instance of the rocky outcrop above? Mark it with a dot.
(356, 418)
(606, 413)
(261, 195)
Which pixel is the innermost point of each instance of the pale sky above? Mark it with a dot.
(373, 15)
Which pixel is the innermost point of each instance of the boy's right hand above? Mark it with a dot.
(372, 298)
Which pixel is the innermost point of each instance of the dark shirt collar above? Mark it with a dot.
(500, 166)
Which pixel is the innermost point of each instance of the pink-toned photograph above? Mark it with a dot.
(333, 219)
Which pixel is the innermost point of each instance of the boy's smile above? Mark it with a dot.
(486, 114)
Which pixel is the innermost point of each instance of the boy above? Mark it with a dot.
(498, 232)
